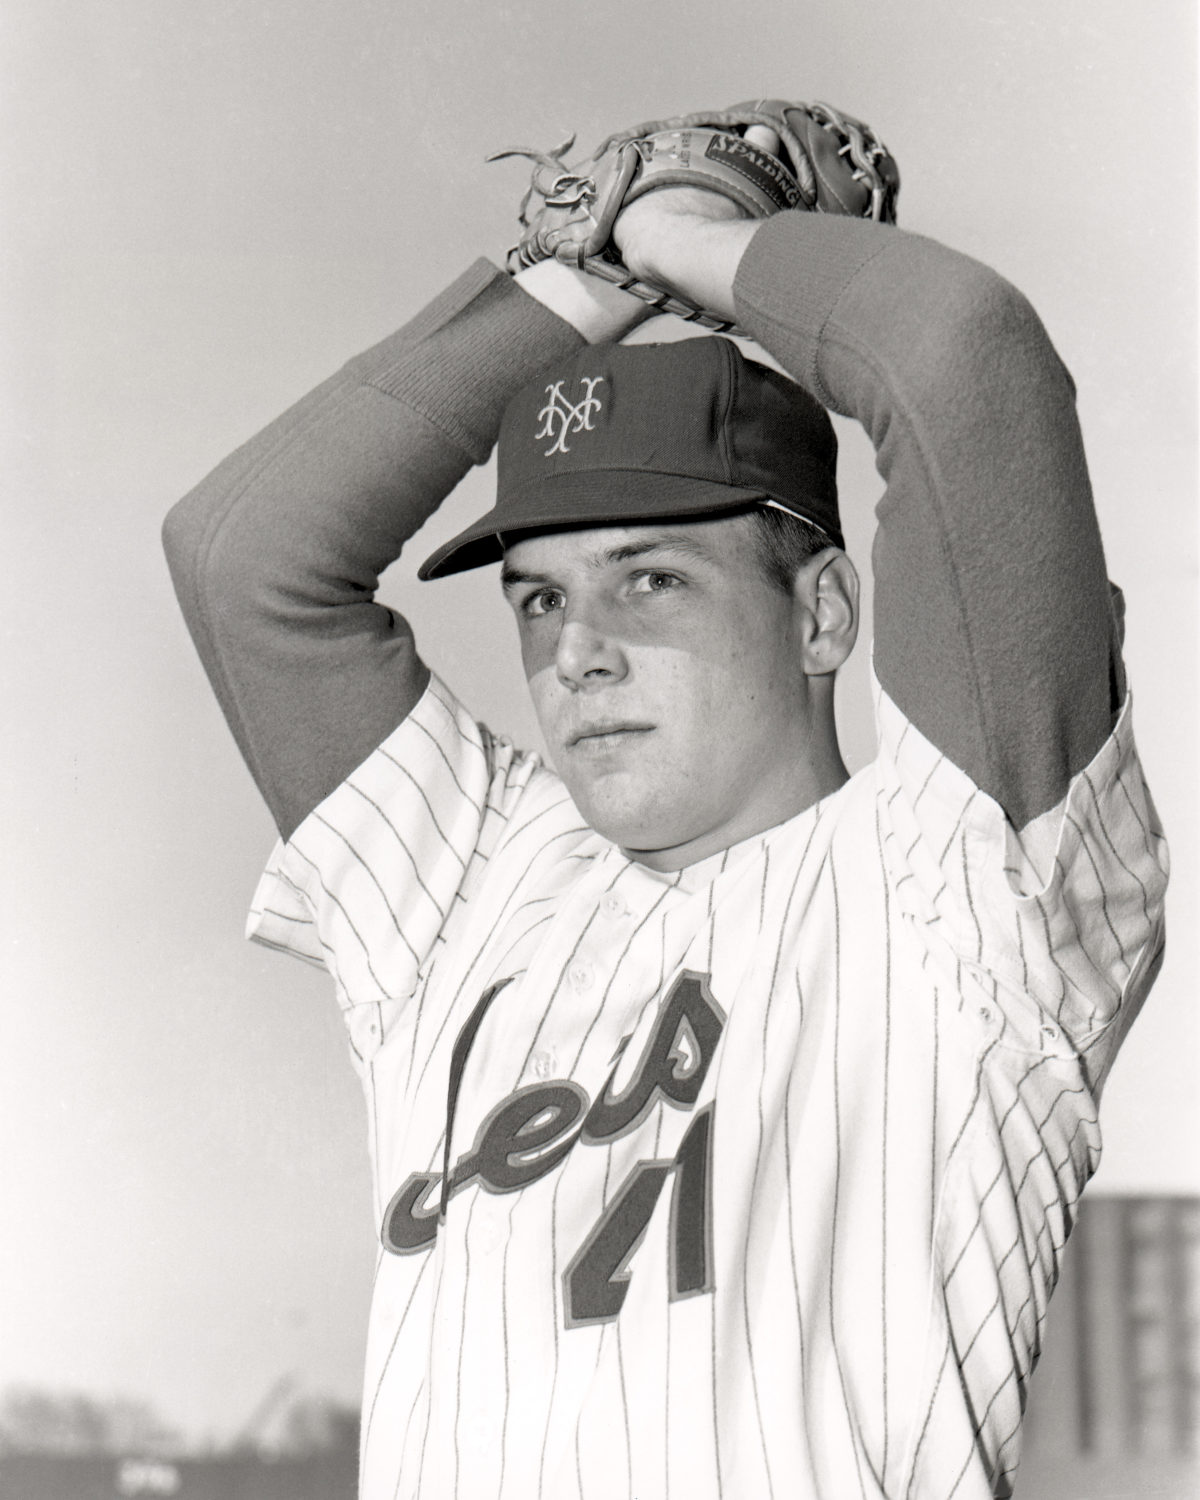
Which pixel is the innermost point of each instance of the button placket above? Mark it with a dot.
(613, 905)
(581, 975)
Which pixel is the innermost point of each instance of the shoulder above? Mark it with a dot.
(366, 884)
(1067, 910)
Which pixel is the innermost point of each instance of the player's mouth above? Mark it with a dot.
(593, 738)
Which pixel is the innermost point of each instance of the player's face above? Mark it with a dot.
(676, 686)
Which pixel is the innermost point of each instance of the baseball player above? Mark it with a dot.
(727, 1114)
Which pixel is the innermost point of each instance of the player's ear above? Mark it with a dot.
(826, 595)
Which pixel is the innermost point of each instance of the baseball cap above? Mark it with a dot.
(623, 434)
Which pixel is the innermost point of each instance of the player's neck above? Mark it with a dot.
(799, 785)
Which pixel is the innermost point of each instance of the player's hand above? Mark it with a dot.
(656, 230)
(688, 239)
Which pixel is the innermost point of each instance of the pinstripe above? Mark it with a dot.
(412, 1411)
(556, 1295)
(837, 1168)
(667, 1363)
(966, 880)
(745, 1267)
(1019, 928)
(1131, 803)
(436, 744)
(980, 1423)
(275, 947)
(624, 1409)
(1064, 987)
(968, 1116)
(395, 832)
(604, 1332)
(1000, 1171)
(924, 787)
(374, 1094)
(791, 1219)
(944, 857)
(1083, 1122)
(1091, 859)
(883, 1147)
(929, 1410)
(349, 923)
(391, 1352)
(462, 1338)
(441, 1271)
(1104, 979)
(429, 806)
(1013, 1320)
(1114, 851)
(507, 1357)
(935, 1098)
(283, 916)
(375, 881)
(513, 836)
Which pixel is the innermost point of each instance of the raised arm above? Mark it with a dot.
(994, 631)
(277, 554)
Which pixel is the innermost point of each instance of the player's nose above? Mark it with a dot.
(588, 655)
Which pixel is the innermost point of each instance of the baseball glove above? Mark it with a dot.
(828, 163)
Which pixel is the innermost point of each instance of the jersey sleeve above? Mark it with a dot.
(369, 879)
(1057, 927)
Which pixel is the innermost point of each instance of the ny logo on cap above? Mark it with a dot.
(561, 420)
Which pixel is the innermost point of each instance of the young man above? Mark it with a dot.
(727, 1115)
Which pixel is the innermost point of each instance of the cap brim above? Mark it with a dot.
(608, 497)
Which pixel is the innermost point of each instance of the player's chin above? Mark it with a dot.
(635, 817)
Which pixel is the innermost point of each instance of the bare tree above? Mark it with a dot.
(39, 1421)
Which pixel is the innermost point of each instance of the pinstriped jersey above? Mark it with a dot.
(745, 1180)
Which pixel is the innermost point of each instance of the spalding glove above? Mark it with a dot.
(829, 163)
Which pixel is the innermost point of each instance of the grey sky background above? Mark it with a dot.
(206, 209)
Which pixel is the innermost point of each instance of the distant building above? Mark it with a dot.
(1114, 1410)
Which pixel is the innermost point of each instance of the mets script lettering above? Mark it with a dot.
(534, 1130)
(561, 420)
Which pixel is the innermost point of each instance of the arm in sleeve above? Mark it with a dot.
(276, 556)
(994, 630)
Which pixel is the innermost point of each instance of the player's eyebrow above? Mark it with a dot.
(669, 542)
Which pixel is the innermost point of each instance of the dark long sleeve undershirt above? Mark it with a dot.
(993, 628)
(276, 556)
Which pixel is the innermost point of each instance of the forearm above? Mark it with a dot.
(993, 628)
(276, 556)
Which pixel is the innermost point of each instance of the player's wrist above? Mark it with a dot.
(600, 311)
(688, 242)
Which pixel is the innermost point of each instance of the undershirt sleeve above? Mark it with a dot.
(994, 629)
(276, 556)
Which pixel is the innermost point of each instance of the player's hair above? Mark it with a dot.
(782, 542)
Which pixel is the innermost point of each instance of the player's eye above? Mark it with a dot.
(653, 581)
(542, 602)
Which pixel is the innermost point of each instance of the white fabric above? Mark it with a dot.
(875, 1034)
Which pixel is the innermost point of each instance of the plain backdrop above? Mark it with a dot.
(207, 207)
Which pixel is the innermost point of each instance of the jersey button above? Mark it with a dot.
(581, 976)
(612, 905)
